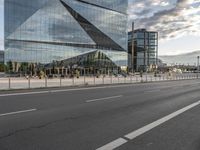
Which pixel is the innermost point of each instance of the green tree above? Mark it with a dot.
(10, 66)
(2, 67)
(24, 67)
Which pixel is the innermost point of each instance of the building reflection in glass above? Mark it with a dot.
(43, 31)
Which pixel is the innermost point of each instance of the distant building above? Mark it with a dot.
(161, 64)
(1, 56)
(145, 50)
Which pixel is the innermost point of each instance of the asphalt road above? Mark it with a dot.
(148, 116)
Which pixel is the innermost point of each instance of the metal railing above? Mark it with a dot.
(29, 83)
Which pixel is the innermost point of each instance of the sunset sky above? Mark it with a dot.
(177, 21)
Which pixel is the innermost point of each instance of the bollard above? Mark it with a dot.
(9, 83)
(29, 82)
(60, 82)
(84, 78)
(73, 81)
(46, 82)
(146, 78)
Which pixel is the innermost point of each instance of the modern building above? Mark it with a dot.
(145, 50)
(46, 31)
(1, 57)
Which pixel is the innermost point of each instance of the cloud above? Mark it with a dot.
(171, 18)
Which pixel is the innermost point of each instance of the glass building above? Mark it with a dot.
(145, 50)
(1, 57)
(45, 31)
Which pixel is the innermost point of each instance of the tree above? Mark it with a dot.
(10, 66)
(2, 67)
(24, 67)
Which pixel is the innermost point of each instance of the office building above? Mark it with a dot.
(145, 50)
(1, 57)
(46, 31)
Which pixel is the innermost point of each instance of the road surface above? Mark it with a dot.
(146, 116)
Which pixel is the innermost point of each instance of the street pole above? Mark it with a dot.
(133, 48)
(198, 66)
(157, 52)
(145, 54)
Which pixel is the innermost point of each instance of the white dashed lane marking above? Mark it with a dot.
(103, 99)
(17, 112)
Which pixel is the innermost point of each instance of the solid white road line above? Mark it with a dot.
(17, 112)
(105, 98)
(153, 91)
(149, 127)
(63, 90)
(113, 145)
(27, 93)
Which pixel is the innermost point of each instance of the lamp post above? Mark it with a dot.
(133, 48)
(198, 65)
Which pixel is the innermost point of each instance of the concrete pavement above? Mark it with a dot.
(90, 118)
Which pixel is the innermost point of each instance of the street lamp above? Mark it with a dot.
(133, 48)
(198, 63)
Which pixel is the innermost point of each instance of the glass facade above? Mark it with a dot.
(43, 31)
(145, 49)
(1, 57)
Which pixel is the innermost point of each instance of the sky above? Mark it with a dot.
(177, 21)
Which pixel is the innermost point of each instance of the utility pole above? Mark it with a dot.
(198, 65)
(157, 52)
(133, 48)
(145, 52)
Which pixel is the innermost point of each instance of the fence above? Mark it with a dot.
(28, 83)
